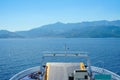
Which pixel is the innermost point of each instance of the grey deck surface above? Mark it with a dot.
(61, 71)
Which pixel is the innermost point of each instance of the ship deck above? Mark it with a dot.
(59, 71)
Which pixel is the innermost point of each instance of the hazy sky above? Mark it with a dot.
(18, 15)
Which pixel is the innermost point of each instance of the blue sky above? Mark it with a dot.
(16, 15)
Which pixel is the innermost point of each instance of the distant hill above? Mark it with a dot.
(8, 34)
(94, 29)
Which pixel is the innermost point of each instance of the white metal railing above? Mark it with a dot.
(25, 73)
(105, 71)
(68, 55)
(35, 69)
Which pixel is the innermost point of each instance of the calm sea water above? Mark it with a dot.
(20, 54)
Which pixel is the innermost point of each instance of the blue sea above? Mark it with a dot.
(19, 54)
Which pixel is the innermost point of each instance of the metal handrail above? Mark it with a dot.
(60, 55)
(105, 71)
(24, 73)
(35, 69)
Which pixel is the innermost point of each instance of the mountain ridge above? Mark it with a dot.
(93, 29)
(8, 34)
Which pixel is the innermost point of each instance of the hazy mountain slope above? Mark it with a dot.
(95, 32)
(48, 30)
(8, 34)
(94, 29)
(85, 29)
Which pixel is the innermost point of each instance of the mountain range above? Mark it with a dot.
(8, 34)
(93, 29)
